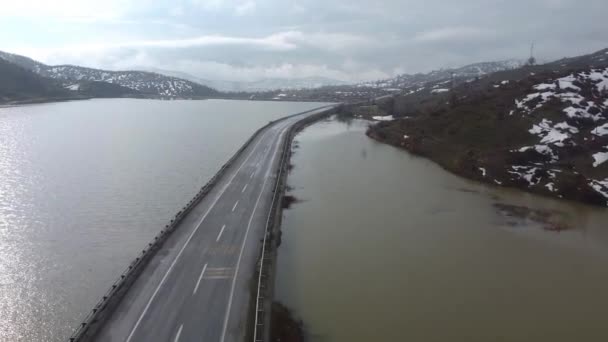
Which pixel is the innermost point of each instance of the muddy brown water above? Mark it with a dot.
(386, 246)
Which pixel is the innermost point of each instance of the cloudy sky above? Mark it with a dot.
(341, 39)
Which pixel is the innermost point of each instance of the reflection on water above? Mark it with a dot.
(385, 246)
(84, 185)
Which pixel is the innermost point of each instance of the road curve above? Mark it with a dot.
(197, 287)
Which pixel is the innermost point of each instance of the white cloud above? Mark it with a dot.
(281, 41)
(452, 33)
(222, 71)
(245, 8)
(66, 9)
(342, 39)
(238, 7)
(177, 11)
(208, 4)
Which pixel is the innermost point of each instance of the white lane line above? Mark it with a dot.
(253, 174)
(162, 281)
(220, 234)
(244, 188)
(238, 264)
(235, 204)
(198, 282)
(179, 332)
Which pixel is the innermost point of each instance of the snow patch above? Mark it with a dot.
(550, 133)
(600, 131)
(600, 158)
(567, 92)
(525, 172)
(383, 118)
(600, 187)
(441, 90)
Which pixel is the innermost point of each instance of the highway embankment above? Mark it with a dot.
(199, 267)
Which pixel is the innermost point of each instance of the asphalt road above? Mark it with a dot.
(198, 286)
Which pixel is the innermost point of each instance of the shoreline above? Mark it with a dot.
(15, 103)
(42, 100)
(469, 169)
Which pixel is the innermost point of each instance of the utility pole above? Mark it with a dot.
(531, 60)
(453, 97)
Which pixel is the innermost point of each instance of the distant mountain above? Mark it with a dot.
(18, 84)
(471, 71)
(266, 84)
(141, 82)
(289, 84)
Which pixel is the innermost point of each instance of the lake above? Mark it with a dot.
(85, 185)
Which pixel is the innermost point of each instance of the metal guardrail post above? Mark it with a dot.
(286, 150)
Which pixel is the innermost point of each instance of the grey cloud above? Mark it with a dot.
(351, 40)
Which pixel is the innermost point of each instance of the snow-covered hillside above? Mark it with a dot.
(541, 128)
(147, 83)
(467, 72)
(580, 129)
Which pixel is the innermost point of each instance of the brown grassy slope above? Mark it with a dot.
(471, 129)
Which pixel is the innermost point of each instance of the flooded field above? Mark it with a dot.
(386, 246)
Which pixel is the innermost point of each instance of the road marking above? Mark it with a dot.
(179, 332)
(181, 251)
(222, 249)
(238, 264)
(244, 188)
(162, 281)
(253, 174)
(219, 273)
(220, 234)
(198, 282)
(235, 204)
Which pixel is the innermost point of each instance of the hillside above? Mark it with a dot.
(543, 129)
(19, 84)
(141, 82)
(466, 72)
(102, 90)
(402, 84)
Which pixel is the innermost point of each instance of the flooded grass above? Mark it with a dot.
(288, 201)
(285, 327)
(551, 220)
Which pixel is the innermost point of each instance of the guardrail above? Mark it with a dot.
(260, 334)
(95, 319)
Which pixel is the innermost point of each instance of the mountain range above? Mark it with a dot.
(80, 81)
(466, 72)
(142, 83)
(265, 84)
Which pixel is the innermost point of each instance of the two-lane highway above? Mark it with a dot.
(198, 286)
